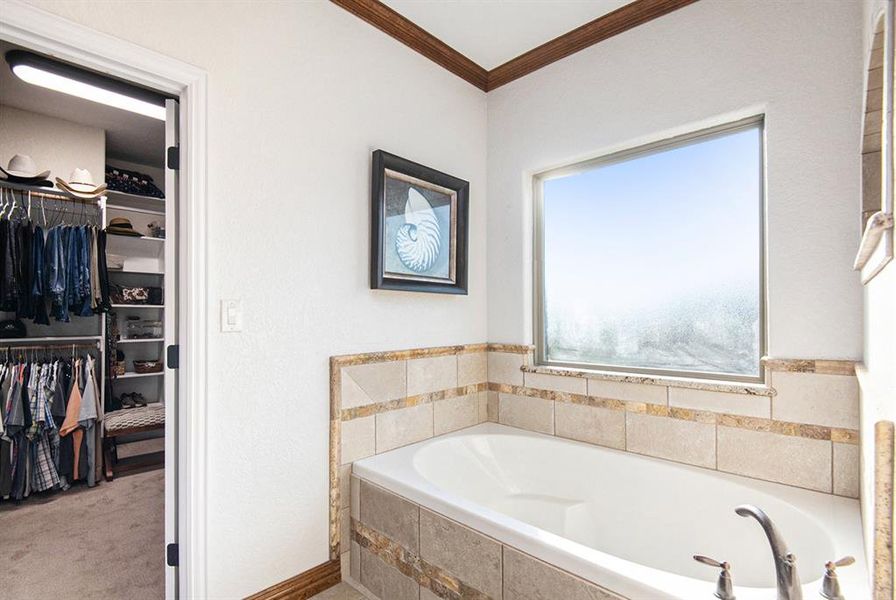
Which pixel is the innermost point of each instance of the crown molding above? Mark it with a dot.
(412, 35)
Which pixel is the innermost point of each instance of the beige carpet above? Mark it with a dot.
(105, 542)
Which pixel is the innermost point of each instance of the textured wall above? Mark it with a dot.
(706, 63)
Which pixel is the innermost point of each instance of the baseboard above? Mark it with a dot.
(304, 585)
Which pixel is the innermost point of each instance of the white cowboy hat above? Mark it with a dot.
(21, 166)
(80, 185)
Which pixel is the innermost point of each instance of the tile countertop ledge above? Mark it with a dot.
(750, 389)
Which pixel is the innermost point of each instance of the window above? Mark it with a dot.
(650, 260)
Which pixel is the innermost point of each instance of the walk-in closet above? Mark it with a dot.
(87, 333)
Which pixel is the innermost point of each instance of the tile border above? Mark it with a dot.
(808, 365)
(358, 412)
(346, 360)
(883, 509)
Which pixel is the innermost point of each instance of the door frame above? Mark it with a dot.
(44, 32)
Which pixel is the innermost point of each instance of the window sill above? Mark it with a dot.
(749, 389)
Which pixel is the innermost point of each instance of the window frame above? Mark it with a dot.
(538, 180)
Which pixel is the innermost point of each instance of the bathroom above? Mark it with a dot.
(349, 428)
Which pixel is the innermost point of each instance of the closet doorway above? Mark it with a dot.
(89, 334)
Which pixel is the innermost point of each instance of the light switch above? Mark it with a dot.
(231, 315)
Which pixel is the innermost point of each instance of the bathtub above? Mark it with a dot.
(626, 522)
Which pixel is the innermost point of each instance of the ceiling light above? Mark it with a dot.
(88, 85)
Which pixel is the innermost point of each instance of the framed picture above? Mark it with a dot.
(418, 234)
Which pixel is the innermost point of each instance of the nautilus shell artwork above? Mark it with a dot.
(418, 241)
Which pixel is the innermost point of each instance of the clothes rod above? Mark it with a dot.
(11, 348)
(50, 194)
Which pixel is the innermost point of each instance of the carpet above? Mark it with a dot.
(102, 543)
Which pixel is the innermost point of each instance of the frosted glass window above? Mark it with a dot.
(651, 260)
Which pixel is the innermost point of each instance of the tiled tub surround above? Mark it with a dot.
(503, 513)
(804, 435)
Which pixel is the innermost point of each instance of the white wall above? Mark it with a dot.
(300, 93)
(54, 144)
(877, 377)
(706, 63)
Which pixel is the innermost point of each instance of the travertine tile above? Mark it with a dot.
(355, 570)
(595, 425)
(630, 392)
(526, 578)
(785, 459)
(372, 383)
(846, 470)
(391, 515)
(355, 503)
(455, 413)
(504, 367)
(472, 368)
(689, 442)
(358, 439)
(425, 594)
(466, 554)
(482, 398)
(534, 414)
(572, 385)
(830, 400)
(345, 474)
(721, 402)
(345, 530)
(402, 427)
(492, 403)
(431, 374)
(385, 581)
(345, 564)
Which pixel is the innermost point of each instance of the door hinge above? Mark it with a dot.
(174, 157)
(172, 555)
(173, 357)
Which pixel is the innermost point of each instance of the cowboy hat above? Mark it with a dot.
(21, 168)
(122, 226)
(80, 185)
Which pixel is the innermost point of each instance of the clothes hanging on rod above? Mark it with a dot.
(50, 423)
(55, 269)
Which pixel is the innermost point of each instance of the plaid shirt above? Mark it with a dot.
(43, 472)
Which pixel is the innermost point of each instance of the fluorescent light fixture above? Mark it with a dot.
(88, 85)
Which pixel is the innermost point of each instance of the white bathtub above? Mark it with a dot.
(627, 522)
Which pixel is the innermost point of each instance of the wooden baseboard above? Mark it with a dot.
(304, 585)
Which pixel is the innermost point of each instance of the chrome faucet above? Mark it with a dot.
(785, 563)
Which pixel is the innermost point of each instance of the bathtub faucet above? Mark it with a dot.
(785, 563)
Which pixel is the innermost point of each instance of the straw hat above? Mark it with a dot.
(22, 168)
(122, 226)
(80, 185)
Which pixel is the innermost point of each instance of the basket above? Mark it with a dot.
(148, 366)
(118, 368)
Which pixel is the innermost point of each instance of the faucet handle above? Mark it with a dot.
(830, 586)
(724, 587)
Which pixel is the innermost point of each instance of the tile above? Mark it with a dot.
(452, 414)
(464, 553)
(846, 470)
(592, 424)
(526, 578)
(774, 457)
(345, 529)
(630, 392)
(505, 368)
(689, 442)
(345, 563)
(572, 385)
(404, 426)
(472, 368)
(372, 383)
(385, 581)
(721, 402)
(534, 414)
(340, 591)
(829, 400)
(482, 398)
(425, 594)
(358, 439)
(432, 374)
(345, 492)
(492, 404)
(355, 505)
(355, 567)
(391, 515)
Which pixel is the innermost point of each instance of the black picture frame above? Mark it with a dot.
(391, 175)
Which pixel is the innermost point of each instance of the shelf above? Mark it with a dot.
(124, 201)
(157, 306)
(131, 247)
(147, 211)
(133, 375)
(50, 193)
(141, 341)
(50, 338)
(126, 272)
